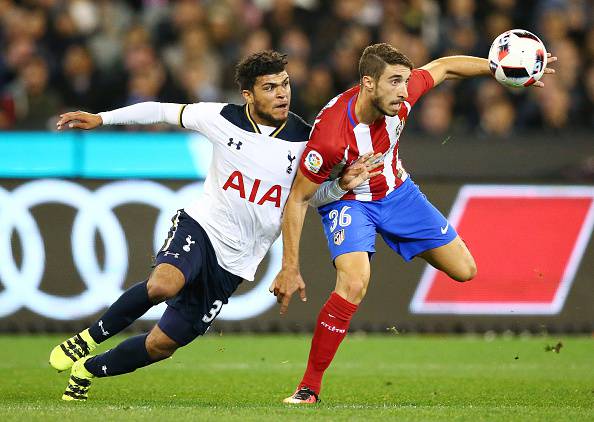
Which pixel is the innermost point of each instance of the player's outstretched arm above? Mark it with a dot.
(460, 67)
(457, 67)
(140, 114)
(289, 279)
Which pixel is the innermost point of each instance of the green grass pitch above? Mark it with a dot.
(379, 377)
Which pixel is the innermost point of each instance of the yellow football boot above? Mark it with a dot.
(79, 381)
(66, 353)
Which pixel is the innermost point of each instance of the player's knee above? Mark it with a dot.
(466, 272)
(160, 347)
(358, 290)
(164, 283)
(353, 289)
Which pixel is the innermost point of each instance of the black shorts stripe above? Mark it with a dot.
(172, 230)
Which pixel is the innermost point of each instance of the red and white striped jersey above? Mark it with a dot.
(337, 139)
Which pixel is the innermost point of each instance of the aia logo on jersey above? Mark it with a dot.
(235, 181)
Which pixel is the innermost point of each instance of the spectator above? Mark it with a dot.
(34, 102)
(498, 120)
(185, 50)
(554, 106)
(80, 85)
(318, 91)
(435, 116)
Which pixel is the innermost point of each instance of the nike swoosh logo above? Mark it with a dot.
(444, 230)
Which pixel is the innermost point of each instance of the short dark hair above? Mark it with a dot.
(266, 62)
(375, 58)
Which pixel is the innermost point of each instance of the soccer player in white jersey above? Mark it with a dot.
(369, 118)
(217, 241)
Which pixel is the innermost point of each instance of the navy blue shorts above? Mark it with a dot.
(207, 288)
(406, 220)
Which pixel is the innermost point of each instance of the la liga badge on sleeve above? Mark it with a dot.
(313, 161)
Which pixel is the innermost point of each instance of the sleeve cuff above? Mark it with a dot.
(105, 117)
(336, 191)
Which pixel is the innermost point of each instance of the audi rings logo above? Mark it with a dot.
(95, 215)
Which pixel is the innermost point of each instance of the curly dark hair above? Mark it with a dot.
(375, 58)
(266, 62)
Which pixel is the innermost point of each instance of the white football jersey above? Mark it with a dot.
(247, 184)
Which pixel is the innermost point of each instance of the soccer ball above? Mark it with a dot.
(517, 58)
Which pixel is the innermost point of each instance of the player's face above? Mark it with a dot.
(391, 89)
(271, 97)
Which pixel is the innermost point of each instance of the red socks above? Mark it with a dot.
(331, 327)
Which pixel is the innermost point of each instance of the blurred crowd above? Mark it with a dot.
(58, 55)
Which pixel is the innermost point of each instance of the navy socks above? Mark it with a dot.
(130, 306)
(126, 357)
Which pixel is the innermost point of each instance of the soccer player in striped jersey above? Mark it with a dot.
(217, 241)
(367, 118)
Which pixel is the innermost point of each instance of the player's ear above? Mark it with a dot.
(368, 83)
(248, 96)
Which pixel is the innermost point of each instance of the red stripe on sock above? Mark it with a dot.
(331, 328)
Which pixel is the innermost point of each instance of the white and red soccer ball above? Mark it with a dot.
(517, 58)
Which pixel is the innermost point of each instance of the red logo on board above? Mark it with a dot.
(528, 242)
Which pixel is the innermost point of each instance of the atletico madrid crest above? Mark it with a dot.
(339, 237)
(399, 128)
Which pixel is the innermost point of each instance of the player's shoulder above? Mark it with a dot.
(421, 74)
(419, 83)
(295, 129)
(236, 114)
(198, 116)
(334, 116)
(202, 110)
(206, 107)
(338, 105)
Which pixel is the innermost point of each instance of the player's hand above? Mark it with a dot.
(360, 171)
(287, 282)
(79, 120)
(548, 70)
